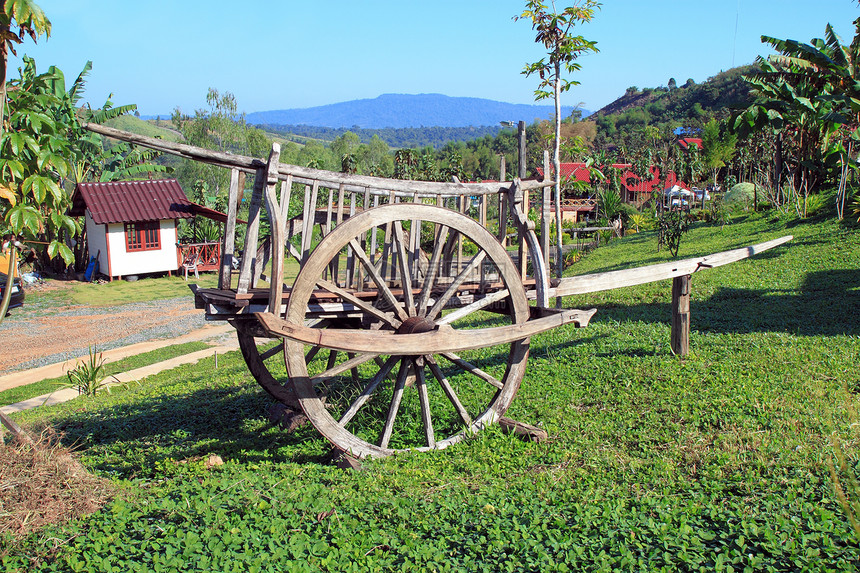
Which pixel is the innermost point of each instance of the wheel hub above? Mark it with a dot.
(416, 325)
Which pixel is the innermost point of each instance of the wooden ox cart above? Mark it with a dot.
(408, 323)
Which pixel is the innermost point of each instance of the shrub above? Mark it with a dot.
(740, 194)
(811, 204)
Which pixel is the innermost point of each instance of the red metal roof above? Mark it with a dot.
(576, 171)
(128, 201)
(686, 142)
(629, 179)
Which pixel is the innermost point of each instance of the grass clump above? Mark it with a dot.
(41, 485)
(88, 376)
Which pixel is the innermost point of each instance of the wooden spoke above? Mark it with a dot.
(334, 370)
(378, 280)
(424, 399)
(396, 398)
(354, 370)
(403, 265)
(452, 290)
(432, 271)
(384, 369)
(459, 313)
(273, 351)
(354, 300)
(312, 353)
(449, 391)
(472, 369)
(332, 359)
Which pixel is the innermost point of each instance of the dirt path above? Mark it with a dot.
(34, 337)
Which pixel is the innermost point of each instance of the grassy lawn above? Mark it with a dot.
(717, 461)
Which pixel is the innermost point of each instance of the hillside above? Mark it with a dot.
(148, 128)
(403, 111)
(689, 105)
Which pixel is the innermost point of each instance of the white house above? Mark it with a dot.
(131, 225)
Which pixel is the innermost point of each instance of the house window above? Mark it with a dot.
(142, 236)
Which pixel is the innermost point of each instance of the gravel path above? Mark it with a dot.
(34, 336)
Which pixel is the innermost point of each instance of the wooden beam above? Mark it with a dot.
(442, 340)
(252, 232)
(651, 273)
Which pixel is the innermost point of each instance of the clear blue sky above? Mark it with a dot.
(163, 54)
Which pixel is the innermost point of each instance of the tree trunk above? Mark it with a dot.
(556, 160)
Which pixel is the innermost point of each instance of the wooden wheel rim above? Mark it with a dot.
(306, 282)
(260, 371)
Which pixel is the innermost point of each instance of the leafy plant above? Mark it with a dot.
(854, 205)
(609, 204)
(811, 204)
(671, 225)
(641, 222)
(88, 377)
(718, 212)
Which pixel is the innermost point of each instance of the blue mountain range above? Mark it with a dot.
(404, 110)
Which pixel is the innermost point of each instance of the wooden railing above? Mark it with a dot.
(203, 256)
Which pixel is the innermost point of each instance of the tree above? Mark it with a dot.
(218, 127)
(554, 31)
(672, 84)
(799, 108)
(18, 18)
(718, 147)
(34, 159)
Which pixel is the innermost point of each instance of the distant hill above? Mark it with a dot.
(410, 137)
(688, 104)
(403, 111)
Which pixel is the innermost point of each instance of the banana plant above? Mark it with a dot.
(814, 89)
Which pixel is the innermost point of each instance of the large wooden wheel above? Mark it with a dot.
(375, 404)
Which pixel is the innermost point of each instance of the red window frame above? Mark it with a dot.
(144, 236)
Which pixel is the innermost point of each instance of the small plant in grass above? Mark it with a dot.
(854, 205)
(810, 204)
(88, 377)
(718, 212)
(640, 222)
(670, 226)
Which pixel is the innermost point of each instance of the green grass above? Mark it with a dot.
(714, 462)
(49, 385)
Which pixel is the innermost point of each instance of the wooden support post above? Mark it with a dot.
(278, 229)
(681, 315)
(503, 207)
(523, 246)
(14, 428)
(252, 234)
(228, 244)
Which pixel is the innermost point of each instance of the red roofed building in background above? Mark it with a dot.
(131, 225)
(635, 189)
